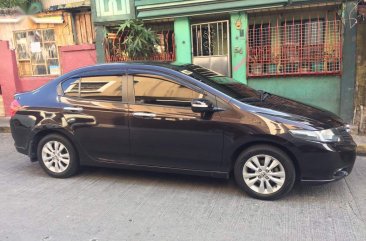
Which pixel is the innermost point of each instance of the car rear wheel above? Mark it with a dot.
(57, 156)
(264, 172)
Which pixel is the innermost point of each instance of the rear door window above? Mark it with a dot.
(71, 87)
(102, 88)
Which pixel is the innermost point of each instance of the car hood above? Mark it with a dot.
(293, 112)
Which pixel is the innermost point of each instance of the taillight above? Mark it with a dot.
(14, 107)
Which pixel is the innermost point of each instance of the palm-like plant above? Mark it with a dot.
(138, 41)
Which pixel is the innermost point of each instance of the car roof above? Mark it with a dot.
(175, 66)
(115, 66)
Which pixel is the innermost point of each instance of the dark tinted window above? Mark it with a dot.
(71, 87)
(107, 88)
(154, 89)
(229, 86)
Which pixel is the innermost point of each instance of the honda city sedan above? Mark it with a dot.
(179, 119)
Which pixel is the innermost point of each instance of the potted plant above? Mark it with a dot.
(255, 67)
(139, 42)
(332, 60)
(111, 36)
(275, 64)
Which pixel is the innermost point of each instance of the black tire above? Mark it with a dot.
(73, 165)
(279, 155)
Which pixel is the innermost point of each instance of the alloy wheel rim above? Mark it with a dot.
(55, 156)
(264, 174)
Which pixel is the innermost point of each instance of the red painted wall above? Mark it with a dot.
(8, 74)
(71, 57)
(76, 56)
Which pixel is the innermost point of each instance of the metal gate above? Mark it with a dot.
(210, 46)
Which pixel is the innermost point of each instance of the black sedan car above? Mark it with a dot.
(181, 119)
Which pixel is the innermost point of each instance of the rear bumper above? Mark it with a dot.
(22, 150)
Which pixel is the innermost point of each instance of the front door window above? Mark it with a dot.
(158, 90)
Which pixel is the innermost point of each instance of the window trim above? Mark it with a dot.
(30, 58)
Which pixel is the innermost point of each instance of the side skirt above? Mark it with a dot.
(215, 174)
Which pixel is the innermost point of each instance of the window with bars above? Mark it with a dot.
(37, 52)
(297, 47)
(114, 45)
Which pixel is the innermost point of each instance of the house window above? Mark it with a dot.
(37, 52)
(297, 47)
(115, 49)
(259, 50)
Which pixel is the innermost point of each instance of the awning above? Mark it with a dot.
(45, 20)
(196, 7)
(72, 5)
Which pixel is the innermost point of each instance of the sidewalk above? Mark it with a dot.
(361, 144)
(4, 125)
(360, 140)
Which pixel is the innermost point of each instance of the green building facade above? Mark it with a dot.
(303, 50)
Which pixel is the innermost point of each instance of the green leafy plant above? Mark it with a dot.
(15, 3)
(138, 40)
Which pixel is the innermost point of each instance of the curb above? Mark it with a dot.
(4, 129)
(361, 150)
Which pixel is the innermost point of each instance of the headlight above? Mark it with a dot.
(321, 136)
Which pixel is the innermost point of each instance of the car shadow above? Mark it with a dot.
(189, 182)
(200, 183)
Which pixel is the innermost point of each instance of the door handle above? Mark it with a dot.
(73, 109)
(144, 115)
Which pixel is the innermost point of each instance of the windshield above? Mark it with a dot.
(229, 86)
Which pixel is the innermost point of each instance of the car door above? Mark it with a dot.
(164, 131)
(95, 107)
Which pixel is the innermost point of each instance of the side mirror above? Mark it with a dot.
(202, 105)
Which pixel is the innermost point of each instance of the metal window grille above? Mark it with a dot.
(210, 39)
(295, 47)
(114, 48)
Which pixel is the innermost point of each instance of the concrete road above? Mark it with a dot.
(106, 204)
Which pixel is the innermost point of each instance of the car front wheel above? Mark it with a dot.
(57, 156)
(264, 172)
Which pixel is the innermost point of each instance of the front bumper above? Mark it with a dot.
(323, 163)
(338, 175)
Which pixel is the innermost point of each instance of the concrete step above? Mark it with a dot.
(4, 125)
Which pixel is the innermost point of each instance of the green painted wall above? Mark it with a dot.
(182, 37)
(99, 38)
(238, 45)
(149, 2)
(321, 91)
(349, 62)
(110, 11)
(146, 9)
